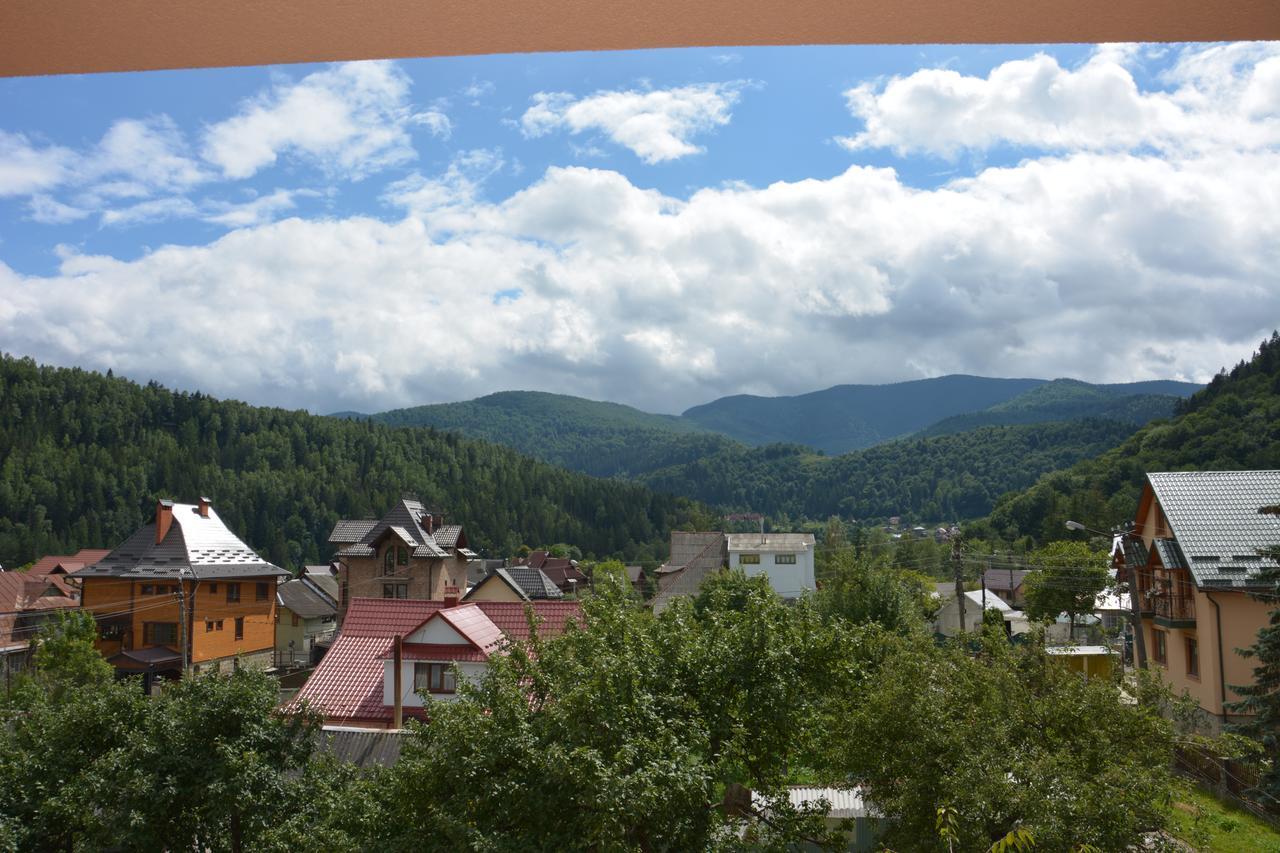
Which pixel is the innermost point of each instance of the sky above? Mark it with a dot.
(658, 228)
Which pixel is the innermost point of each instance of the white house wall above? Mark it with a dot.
(437, 632)
(470, 672)
(788, 581)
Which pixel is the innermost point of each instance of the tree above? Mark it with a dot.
(1262, 697)
(862, 590)
(65, 656)
(641, 732)
(1067, 578)
(1009, 739)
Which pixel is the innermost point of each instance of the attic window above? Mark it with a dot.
(434, 677)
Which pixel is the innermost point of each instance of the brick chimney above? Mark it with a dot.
(164, 518)
(450, 596)
(204, 507)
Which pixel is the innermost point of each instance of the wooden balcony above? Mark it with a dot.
(1174, 604)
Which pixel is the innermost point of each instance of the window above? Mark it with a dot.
(233, 593)
(148, 589)
(1161, 651)
(749, 560)
(402, 556)
(159, 633)
(213, 587)
(219, 624)
(389, 561)
(1193, 657)
(395, 590)
(784, 559)
(208, 625)
(260, 592)
(434, 677)
(239, 627)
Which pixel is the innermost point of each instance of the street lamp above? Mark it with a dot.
(1135, 619)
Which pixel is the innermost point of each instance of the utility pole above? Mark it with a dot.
(957, 565)
(1135, 612)
(984, 587)
(182, 620)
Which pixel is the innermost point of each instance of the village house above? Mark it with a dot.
(786, 559)
(947, 621)
(514, 583)
(409, 553)
(562, 571)
(28, 598)
(355, 683)
(306, 618)
(183, 580)
(1197, 543)
(1008, 585)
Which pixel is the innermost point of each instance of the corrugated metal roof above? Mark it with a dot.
(302, 597)
(1004, 580)
(323, 577)
(770, 542)
(845, 802)
(363, 747)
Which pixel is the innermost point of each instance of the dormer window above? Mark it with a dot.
(389, 561)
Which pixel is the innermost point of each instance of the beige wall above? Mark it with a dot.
(362, 577)
(1241, 618)
(493, 588)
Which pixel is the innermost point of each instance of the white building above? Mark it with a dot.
(785, 558)
(947, 621)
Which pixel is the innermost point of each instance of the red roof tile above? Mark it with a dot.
(70, 562)
(439, 652)
(347, 685)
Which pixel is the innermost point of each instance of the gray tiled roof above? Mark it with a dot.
(351, 530)
(305, 599)
(446, 535)
(1135, 551)
(534, 582)
(1214, 517)
(404, 519)
(202, 546)
(1169, 553)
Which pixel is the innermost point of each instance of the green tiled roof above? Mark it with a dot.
(1214, 517)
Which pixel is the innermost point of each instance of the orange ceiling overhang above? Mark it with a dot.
(78, 36)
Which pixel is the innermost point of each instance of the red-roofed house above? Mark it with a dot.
(354, 683)
(28, 597)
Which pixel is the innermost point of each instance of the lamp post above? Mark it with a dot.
(1135, 618)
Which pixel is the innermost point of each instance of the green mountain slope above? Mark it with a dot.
(597, 438)
(851, 417)
(1233, 424)
(83, 458)
(1071, 399)
(946, 477)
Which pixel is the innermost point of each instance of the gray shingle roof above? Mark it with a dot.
(204, 547)
(446, 536)
(305, 599)
(351, 530)
(534, 582)
(1214, 517)
(1169, 553)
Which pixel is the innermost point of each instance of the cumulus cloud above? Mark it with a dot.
(350, 120)
(1222, 96)
(26, 167)
(586, 283)
(657, 124)
(256, 211)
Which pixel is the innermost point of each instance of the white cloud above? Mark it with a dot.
(49, 211)
(255, 212)
(155, 210)
(26, 168)
(657, 124)
(1221, 96)
(351, 120)
(1088, 265)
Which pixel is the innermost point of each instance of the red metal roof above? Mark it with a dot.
(440, 652)
(70, 562)
(347, 685)
(471, 622)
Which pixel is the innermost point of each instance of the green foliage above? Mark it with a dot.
(83, 458)
(1233, 424)
(864, 590)
(1010, 739)
(1066, 578)
(65, 656)
(948, 477)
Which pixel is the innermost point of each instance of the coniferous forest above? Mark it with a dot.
(84, 457)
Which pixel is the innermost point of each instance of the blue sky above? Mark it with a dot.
(653, 227)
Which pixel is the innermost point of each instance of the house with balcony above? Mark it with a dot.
(1199, 544)
(408, 553)
(182, 580)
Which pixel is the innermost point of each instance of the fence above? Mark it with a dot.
(1232, 781)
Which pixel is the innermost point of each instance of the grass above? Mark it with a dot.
(1206, 823)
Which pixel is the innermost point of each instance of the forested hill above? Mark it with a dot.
(851, 417)
(598, 438)
(83, 458)
(1233, 424)
(1071, 399)
(950, 477)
